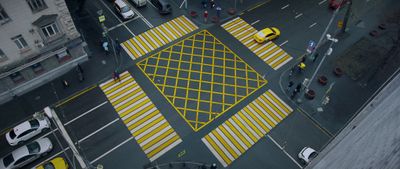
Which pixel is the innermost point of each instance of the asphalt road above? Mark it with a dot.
(101, 136)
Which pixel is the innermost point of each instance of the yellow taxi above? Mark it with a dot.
(267, 34)
(55, 163)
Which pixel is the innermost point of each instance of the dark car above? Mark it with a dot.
(162, 5)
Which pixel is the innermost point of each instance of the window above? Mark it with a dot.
(50, 30)
(3, 56)
(17, 77)
(36, 5)
(38, 69)
(20, 42)
(3, 16)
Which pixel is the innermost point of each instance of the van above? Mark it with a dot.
(162, 5)
(123, 9)
(139, 3)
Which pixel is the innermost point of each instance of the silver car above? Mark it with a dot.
(26, 154)
(27, 130)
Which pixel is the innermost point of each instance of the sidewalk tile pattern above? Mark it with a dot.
(240, 132)
(269, 52)
(142, 118)
(158, 36)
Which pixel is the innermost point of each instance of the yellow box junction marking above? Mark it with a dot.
(239, 133)
(269, 52)
(142, 118)
(201, 78)
(158, 36)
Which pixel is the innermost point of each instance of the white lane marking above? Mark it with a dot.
(105, 5)
(285, 6)
(255, 22)
(323, 1)
(151, 4)
(284, 43)
(124, 22)
(211, 148)
(280, 147)
(140, 15)
(87, 112)
(297, 16)
(169, 147)
(111, 150)
(312, 25)
(91, 134)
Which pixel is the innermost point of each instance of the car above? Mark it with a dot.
(26, 154)
(26, 130)
(163, 6)
(55, 163)
(334, 4)
(267, 33)
(123, 9)
(139, 3)
(307, 154)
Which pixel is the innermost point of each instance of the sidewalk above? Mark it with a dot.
(346, 96)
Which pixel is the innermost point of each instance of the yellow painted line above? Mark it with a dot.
(218, 149)
(227, 23)
(123, 108)
(281, 103)
(231, 138)
(267, 110)
(144, 43)
(240, 134)
(110, 83)
(259, 50)
(153, 33)
(126, 95)
(179, 26)
(75, 96)
(167, 30)
(250, 126)
(162, 146)
(260, 120)
(224, 143)
(150, 40)
(144, 110)
(273, 107)
(236, 26)
(117, 87)
(185, 27)
(174, 28)
(256, 119)
(239, 125)
(153, 116)
(188, 23)
(157, 139)
(282, 62)
(228, 27)
(161, 35)
(152, 132)
(275, 56)
(246, 32)
(266, 54)
(228, 141)
(167, 34)
(254, 109)
(135, 43)
(130, 49)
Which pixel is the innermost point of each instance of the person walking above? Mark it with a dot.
(218, 12)
(291, 83)
(315, 57)
(298, 87)
(204, 4)
(116, 76)
(117, 47)
(205, 16)
(301, 66)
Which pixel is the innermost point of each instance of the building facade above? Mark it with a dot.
(38, 42)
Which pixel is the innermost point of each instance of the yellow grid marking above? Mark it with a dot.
(242, 130)
(240, 29)
(200, 77)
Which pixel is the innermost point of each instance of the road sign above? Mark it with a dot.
(311, 46)
(340, 24)
(102, 18)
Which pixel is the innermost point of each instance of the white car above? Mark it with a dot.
(26, 154)
(307, 154)
(26, 130)
(123, 9)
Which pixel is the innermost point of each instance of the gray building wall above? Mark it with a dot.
(52, 56)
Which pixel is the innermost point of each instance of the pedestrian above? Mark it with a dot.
(298, 87)
(294, 93)
(116, 76)
(205, 16)
(79, 68)
(290, 85)
(204, 4)
(315, 57)
(117, 46)
(65, 83)
(212, 3)
(290, 73)
(303, 59)
(105, 47)
(218, 12)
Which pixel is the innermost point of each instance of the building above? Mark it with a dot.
(38, 42)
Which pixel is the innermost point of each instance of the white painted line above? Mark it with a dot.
(124, 94)
(128, 52)
(211, 148)
(87, 112)
(259, 117)
(145, 98)
(265, 112)
(140, 44)
(233, 20)
(285, 6)
(232, 26)
(111, 150)
(312, 25)
(151, 138)
(255, 22)
(122, 23)
(101, 128)
(134, 48)
(244, 134)
(284, 43)
(169, 147)
(276, 105)
(282, 63)
(147, 122)
(105, 5)
(262, 47)
(297, 16)
(139, 136)
(142, 116)
(278, 98)
(140, 15)
(222, 147)
(232, 146)
(159, 143)
(235, 137)
(111, 80)
(284, 151)
(323, 1)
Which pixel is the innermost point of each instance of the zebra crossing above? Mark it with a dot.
(269, 52)
(158, 36)
(240, 132)
(142, 118)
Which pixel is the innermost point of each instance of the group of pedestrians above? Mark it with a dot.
(210, 3)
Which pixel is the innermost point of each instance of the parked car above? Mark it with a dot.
(267, 34)
(123, 9)
(26, 130)
(334, 4)
(139, 3)
(55, 163)
(26, 154)
(307, 154)
(163, 6)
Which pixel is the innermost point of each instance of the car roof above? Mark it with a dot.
(20, 128)
(120, 3)
(308, 151)
(20, 152)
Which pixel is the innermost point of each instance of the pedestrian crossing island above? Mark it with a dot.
(142, 118)
(158, 36)
(240, 132)
(269, 52)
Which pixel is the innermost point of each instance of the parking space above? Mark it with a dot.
(201, 78)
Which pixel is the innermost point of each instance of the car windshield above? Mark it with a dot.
(8, 160)
(49, 166)
(33, 147)
(12, 134)
(125, 9)
(312, 156)
(261, 34)
(34, 123)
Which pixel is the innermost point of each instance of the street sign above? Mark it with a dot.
(102, 18)
(311, 46)
(340, 24)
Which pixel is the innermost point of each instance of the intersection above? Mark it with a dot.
(193, 92)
